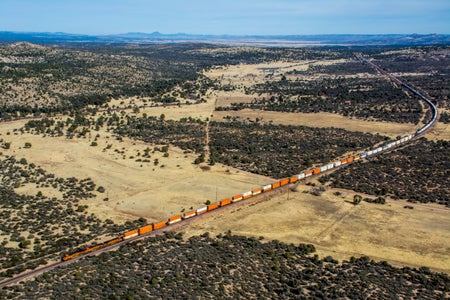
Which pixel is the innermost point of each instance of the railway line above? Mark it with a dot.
(187, 217)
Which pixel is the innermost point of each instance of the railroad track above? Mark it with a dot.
(186, 218)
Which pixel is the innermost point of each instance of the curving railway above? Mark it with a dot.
(154, 228)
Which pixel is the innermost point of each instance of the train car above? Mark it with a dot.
(130, 234)
(330, 166)
(225, 202)
(301, 176)
(337, 163)
(363, 155)
(93, 248)
(201, 210)
(293, 179)
(308, 173)
(213, 206)
(256, 191)
(145, 229)
(236, 198)
(284, 181)
(350, 159)
(266, 188)
(275, 185)
(343, 161)
(247, 195)
(369, 153)
(316, 171)
(159, 225)
(189, 214)
(323, 168)
(174, 219)
(356, 157)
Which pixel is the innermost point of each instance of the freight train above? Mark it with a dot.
(263, 189)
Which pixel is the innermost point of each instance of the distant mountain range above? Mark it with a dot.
(268, 40)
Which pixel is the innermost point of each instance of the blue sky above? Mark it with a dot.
(239, 17)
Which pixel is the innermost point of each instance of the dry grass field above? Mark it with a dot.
(403, 237)
(336, 227)
(135, 189)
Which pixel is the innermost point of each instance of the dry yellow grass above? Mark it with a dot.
(417, 237)
(321, 120)
(135, 189)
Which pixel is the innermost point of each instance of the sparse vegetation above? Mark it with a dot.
(417, 172)
(228, 267)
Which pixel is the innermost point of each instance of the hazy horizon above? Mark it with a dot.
(244, 17)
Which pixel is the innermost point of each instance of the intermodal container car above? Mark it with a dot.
(266, 187)
(159, 225)
(130, 234)
(225, 202)
(189, 214)
(213, 206)
(174, 219)
(316, 171)
(202, 210)
(236, 198)
(301, 176)
(293, 179)
(256, 191)
(247, 195)
(284, 181)
(145, 229)
(275, 185)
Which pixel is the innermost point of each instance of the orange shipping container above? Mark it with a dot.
(213, 206)
(236, 198)
(159, 225)
(225, 202)
(174, 219)
(350, 159)
(275, 185)
(130, 234)
(316, 171)
(293, 179)
(307, 174)
(114, 241)
(343, 161)
(284, 181)
(189, 214)
(145, 229)
(357, 157)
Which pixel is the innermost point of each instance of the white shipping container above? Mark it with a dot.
(249, 193)
(301, 176)
(330, 166)
(337, 163)
(202, 209)
(323, 168)
(267, 187)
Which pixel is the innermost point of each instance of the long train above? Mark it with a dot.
(263, 189)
